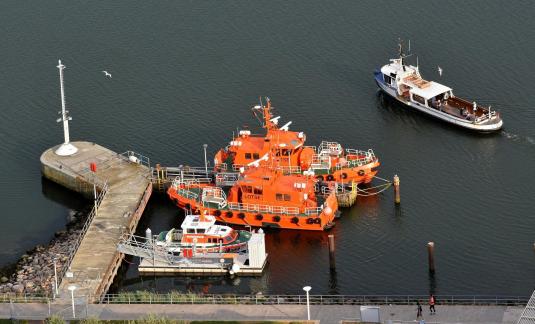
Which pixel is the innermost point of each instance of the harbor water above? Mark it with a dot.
(186, 73)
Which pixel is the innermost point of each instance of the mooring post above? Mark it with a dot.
(431, 256)
(396, 189)
(332, 262)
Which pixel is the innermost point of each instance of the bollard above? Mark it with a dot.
(332, 262)
(396, 189)
(431, 256)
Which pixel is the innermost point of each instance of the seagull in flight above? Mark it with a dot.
(439, 71)
(106, 73)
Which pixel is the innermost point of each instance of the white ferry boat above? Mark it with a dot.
(404, 83)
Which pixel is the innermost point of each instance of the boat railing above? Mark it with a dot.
(313, 210)
(330, 148)
(263, 208)
(289, 169)
(179, 182)
(187, 193)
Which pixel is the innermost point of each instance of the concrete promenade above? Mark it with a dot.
(129, 187)
(323, 313)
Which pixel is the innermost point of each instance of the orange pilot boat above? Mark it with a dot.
(287, 151)
(261, 197)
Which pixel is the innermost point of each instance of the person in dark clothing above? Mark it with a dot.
(418, 309)
(432, 304)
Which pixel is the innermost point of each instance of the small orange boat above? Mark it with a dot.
(287, 151)
(261, 197)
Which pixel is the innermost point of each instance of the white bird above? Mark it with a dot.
(439, 71)
(106, 73)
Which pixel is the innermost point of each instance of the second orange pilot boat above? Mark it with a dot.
(286, 149)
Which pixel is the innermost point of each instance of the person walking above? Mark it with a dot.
(432, 304)
(418, 309)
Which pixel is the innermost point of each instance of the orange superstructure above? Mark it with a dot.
(286, 150)
(261, 197)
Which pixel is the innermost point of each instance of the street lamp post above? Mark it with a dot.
(307, 289)
(72, 288)
(205, 161)
(55, 278)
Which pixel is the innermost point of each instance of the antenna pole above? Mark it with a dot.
(66, 148)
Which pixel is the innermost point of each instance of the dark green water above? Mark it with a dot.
(186, 73)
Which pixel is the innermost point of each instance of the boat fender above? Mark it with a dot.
(217, 212)
(317, 220)
(187, 206)
(259, 217)
(310, 221)
(330, 177)
(276, 218)
(295, 220)
(320, 178)
(228, 214)
(344, 175)
(241, 215)
(361, 172)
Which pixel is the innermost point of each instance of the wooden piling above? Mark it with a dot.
(332, 261)
(397, 198)
(431, 256)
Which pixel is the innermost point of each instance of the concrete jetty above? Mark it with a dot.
(123, 181)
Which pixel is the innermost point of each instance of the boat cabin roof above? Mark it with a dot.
(194, 221)
(432, 90)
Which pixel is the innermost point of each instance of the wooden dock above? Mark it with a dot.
(123, 181)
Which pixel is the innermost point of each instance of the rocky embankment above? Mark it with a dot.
(34, 272)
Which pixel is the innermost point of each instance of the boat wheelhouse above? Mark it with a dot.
(405, 83)
(261, 197)
(287, 151)
(200, 234)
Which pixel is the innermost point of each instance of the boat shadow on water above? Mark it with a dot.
(387, 104)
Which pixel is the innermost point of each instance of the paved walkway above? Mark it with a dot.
(324, 313)
(96, 260)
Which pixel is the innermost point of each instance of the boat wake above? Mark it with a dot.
(519, 138)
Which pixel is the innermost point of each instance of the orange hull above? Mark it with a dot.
(257, 218)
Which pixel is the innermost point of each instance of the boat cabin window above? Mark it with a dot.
(200, 230)
(247, 189)
(388, 80)
(228, 238)
(257, 191)
(418, 99)
(248, 156)
(282, 197)
(190, 231)
(256, 156)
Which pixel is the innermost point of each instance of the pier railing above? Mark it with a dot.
(74, 247)
(144, 297)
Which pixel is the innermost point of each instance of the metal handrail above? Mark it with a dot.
(178, 298)
(74, 247)
(263, 208)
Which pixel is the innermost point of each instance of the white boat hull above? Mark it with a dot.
(491, 126)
